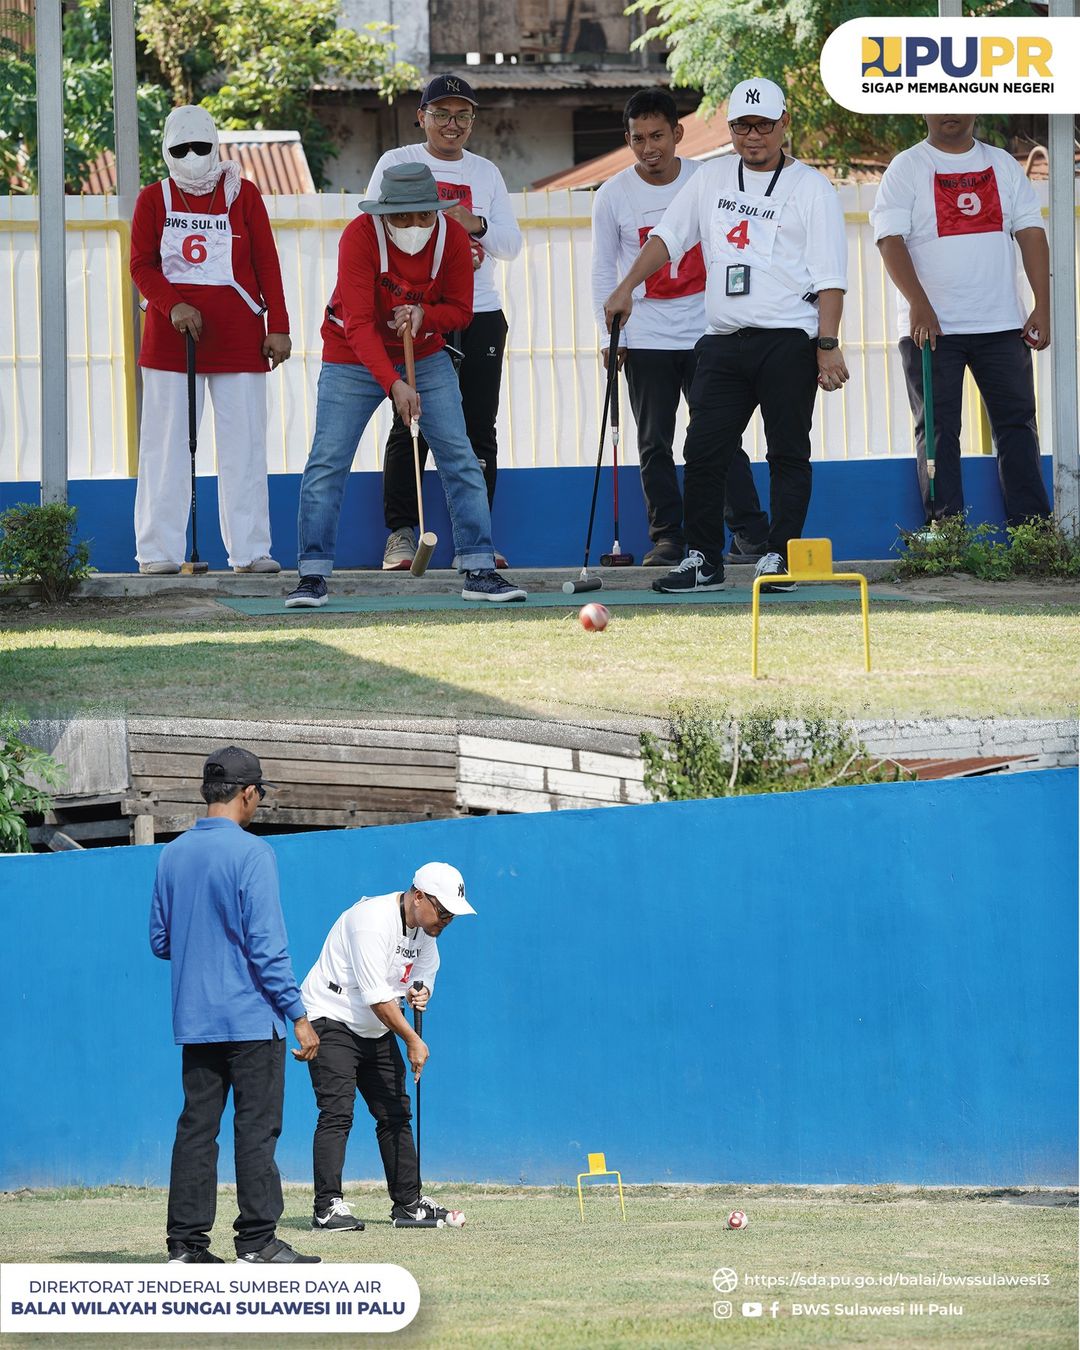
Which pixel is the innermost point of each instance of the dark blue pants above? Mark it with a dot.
(1000, 364)
(771, 368)
(255, 1070)
(654, 380)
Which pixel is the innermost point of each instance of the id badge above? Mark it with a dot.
(738, 279)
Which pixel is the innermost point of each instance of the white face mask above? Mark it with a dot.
(411, 239)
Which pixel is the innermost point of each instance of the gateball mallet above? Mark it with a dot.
(194, 567)
(928, 423)
(616, 558)
(426, 547)
(584, 581)
(418, 1023)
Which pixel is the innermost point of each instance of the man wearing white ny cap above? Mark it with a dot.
(374, 955)
(776, 261)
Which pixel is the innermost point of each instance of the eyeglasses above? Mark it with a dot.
(443, 915)
(745, 128)
(186, 148)
(441, 117)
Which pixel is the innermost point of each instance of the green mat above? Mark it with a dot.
(372, 604)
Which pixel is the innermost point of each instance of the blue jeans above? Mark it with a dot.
(347, 399)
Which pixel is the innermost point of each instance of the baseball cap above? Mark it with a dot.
(231, 764)
(756, 97)
(448, 86)
(446, 884)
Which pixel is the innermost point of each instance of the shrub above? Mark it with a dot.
(1041, 548)
(1038, 548)
(18, 761)
(711, 752)
(37, 545)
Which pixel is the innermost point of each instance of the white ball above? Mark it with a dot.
(594, 618)
(737, 1219)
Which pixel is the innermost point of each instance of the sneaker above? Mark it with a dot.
(310, 594)
(773, 565)
(159, 569)
(500, 560)
(486, 584)
(744, 552)
(428, 1209)
(339, 1218)
(276, 1253)
(664, 553)
(400, 550)
(263, 564)
(184, 1254)
(692, 574)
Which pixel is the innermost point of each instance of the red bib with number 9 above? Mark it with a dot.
(967, 203)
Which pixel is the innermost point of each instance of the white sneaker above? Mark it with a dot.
(263, 564)
(773, 565)
(159, 569)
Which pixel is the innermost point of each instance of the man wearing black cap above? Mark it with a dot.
(216, 917)
(481, 206)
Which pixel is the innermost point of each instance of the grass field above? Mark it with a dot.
(525, 1272)
(928, 658)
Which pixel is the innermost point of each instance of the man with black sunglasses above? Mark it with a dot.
(216, 918)
(375, 955)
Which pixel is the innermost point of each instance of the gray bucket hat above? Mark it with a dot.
(406, 187)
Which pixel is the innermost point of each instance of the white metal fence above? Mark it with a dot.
(552, 381)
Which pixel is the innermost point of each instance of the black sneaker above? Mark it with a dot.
(184, 1254)
(488, 585)
(310, 594)
(692, 574)
(664, 553)
(428, 1210)
(742, 551)
(276, 1253)
(337, 1218)
(773, 565)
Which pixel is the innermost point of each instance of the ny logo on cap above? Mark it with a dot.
(461, 890)
(753, 96)
(453, 86)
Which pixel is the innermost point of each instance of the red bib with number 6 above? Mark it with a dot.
(967, 203)
(196, 249)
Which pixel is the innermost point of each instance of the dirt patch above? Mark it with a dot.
(963, 589)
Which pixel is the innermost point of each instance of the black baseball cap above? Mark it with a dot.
(231, 764)
(448, 86)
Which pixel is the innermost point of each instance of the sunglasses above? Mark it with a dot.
(443, 915)
(186, 148)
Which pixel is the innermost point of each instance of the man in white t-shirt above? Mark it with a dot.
(448, 109)
(772, 232)
(374, 955)
(658, 349)
(946, 214)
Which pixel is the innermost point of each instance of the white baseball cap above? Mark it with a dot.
(446, 884)
(756, 97)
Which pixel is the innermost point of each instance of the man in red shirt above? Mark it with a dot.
(401, 263)
(204, 258)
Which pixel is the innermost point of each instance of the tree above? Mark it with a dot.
(714, 44)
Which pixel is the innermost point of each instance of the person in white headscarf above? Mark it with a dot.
(203, 257)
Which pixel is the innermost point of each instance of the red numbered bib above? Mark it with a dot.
(967, 203)
(685, 277)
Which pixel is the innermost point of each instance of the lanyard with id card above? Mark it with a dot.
(744, 228)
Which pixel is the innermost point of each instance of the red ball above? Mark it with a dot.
(737, 1219)
(594, 618)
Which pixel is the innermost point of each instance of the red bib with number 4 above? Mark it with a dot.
(967, 203)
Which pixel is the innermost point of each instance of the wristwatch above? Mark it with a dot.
(828, 344)
(483, 227)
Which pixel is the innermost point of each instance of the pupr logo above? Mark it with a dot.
(881, 56)
(910, 57)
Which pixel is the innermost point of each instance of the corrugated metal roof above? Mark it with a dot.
(533, 79)
(273, 160)
(702, 139)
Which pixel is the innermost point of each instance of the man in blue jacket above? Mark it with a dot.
(216, 917)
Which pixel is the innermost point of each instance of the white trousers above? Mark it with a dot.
(163, 494)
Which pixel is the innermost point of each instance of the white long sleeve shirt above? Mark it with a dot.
(669, 309)
(477, 183)
(371, 958)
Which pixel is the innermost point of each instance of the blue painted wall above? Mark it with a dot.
(851, 985)
(540, 514)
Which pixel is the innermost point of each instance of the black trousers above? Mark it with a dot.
(655, 378)
(255, 1070)
(374, 1067)
(480, 375)
(1000, 364)
(771, 368)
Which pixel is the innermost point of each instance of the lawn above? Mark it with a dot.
(930, 657)
(525, 1272)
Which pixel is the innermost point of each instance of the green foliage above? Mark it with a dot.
(37, 545)
(714, 44)
(1038, 548)
(711, 752)
(18, 762)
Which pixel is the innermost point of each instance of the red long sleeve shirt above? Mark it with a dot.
(364, 299)
(232, 335)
